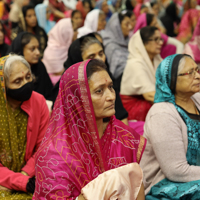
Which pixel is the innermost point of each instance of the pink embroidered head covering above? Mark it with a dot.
(60, 39)
(72, 154)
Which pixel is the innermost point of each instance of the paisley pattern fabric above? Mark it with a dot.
(167, 189)
(72, 154)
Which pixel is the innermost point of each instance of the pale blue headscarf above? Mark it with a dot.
(40, 11)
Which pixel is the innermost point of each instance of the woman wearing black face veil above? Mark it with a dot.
(27, 45)
(76, 54)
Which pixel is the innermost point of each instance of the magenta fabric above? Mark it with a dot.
(188, 23)
(137, 10)
(138, 126)
(38, 118)
(194, 43)
(167, 49)
(141, 22)
(72, 154)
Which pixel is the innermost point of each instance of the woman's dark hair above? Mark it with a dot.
(129, 13)
(143, 6)
(153, 3)
(26, 38)
(147, 32)
(129, 5)
(87, 1)
(149, 18)
(74, 12)
(122, 15)
(26, 8)
(95, 66)
(87, 41)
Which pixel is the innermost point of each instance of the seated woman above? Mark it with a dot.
(27, 45)
(31, 27)
(84, 7)
(171, 158)
(60, 38)
(24, 119)
(95, 21)
(170, 45)
(43, 13)
(155, 10)
(171, 20)
(187, 25)
(3, 46)
(80, 155)
(115, 40)
(138, 80)
(192, 48)
(103, 5)
(89, 47)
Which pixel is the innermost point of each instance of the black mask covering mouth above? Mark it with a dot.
(21, 94)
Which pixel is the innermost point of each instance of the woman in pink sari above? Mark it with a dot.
(192, 48)
(187, 25)
(80, 156)
(170, 45)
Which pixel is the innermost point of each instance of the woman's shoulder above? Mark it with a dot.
(37, 99)
(162, 108)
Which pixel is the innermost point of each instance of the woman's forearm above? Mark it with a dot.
(149, 96)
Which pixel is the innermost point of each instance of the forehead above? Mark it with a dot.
(33, 42)
(93, 48)
(125, 20)
(189, 64)
(157, 33)
(99, 78)
(30, 11)
(77, 14)
(17, 68)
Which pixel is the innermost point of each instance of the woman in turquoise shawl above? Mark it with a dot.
(178, 78)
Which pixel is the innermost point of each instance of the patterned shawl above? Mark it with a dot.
(72, 154)
(13, 125)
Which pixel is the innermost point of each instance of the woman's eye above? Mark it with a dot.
(99, 91)
(111, 87)
(17, 81)
(28, 77)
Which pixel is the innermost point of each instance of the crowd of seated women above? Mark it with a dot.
(99, 99)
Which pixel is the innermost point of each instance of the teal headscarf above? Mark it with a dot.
(166, 77)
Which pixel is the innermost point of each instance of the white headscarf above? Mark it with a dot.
(90, 24)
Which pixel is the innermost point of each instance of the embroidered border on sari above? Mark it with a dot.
(88, 112)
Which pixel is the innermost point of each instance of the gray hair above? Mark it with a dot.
(11, 60)
(181, 64)
(87, 41)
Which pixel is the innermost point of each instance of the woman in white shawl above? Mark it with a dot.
(60, 38)
(95, 21)
(138, 80)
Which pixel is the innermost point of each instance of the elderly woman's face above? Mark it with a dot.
(19, 76)
(94, 51)
(188, 80)
(102, 94)
(31, 51)
(153, 47)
